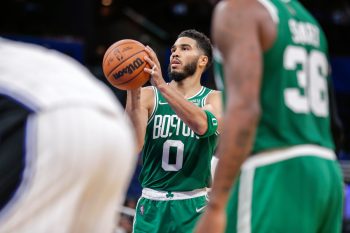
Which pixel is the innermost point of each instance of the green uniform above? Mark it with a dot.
(175, 160)
(290, 193)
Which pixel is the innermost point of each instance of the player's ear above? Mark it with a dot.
(203, 60)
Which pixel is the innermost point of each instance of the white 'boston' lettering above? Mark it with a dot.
(167, 125)
(157, 126)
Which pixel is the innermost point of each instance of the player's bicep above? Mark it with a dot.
(236, 35)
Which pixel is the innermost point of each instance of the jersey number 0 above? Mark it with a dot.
(179, 146)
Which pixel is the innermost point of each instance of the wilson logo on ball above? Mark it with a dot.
(130, 68)
(123, 64)
(118, 55)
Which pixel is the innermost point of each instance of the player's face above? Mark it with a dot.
(187, 71)
(184, 59)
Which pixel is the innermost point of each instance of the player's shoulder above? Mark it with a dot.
(148, 91)
(214, 95)
(235, 8)
(148, 96)
(215, 92)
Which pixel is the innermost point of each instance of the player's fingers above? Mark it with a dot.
(153, 55)
(148, 70)
(152, 71)
(149, 61)
(150, 50)
(152, 60)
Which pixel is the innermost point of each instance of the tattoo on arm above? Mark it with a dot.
(138, 96)
(227, 188)
(243, 138)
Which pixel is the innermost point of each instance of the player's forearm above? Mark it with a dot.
(139, 132)
(190, 114)
(235, 144)
(135, 112)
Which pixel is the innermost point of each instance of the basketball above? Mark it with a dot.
(123, 64)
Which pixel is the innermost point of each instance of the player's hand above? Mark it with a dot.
(212, 221)
(156, 72)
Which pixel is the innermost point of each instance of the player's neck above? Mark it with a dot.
(188, 86)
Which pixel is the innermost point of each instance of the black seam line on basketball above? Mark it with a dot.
(124, 61)
(106, 55)
(129, 80)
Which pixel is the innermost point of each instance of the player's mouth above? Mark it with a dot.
(175, 63)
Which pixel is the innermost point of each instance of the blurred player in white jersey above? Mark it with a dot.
(66, 149)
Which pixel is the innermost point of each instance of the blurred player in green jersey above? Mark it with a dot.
(274, 58)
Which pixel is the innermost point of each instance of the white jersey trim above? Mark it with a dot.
(217, 77)
(271, 9)
(155, 91)
(248, 171)
(217, 55)
(198, 93)
(275, 156)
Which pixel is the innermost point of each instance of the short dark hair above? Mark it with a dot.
(203, 43)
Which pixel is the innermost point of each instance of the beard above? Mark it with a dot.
(188, 70)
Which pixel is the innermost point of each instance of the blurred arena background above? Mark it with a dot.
(84, 29)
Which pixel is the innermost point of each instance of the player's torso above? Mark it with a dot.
(294, 94)
(174, 158)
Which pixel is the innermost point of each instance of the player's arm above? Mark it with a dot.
(203, 121)
(198, 119)
(235, 33)
(139, 104)
(214, 105)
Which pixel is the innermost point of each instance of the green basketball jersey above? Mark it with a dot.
(294, 93)
(174, 157)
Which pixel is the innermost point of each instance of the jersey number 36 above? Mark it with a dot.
(311, 71)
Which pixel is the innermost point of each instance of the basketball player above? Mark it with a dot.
(66, 151)
(177, 125)
(274, 57)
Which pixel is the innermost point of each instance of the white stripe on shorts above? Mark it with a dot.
(162, 195)
(262, 159)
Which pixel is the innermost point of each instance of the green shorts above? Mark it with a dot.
(299, 189)
(168, 212)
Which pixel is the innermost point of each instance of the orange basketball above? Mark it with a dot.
(123, 64)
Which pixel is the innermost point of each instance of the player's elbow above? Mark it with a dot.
(201, 129)
(251, 112)
(198, 126)
(247, 111)
(208, 124)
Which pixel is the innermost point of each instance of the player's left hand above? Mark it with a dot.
(212, 221)
(156, 72)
